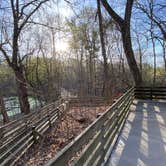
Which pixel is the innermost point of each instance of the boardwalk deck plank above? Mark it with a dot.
(143, 139)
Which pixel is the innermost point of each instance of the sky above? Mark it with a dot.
(68, 10)
(139, 19)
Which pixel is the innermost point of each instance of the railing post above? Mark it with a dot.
(103, 142)
(34, 133)
(1, 135)
(151, 96)
(27, 124)
(67, 105)
(49, 120)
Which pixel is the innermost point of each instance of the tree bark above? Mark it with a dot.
(140, 51)
(164, 54)
(103, 49)
(3, 112)
(154, 62)
(151, 15)
(124, 25)
(127, 45)
(19, 20)
(22, 91)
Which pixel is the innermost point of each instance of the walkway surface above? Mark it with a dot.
(143, 139)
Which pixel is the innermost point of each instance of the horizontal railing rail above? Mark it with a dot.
(97, 139)
(91, 147)
(150, 92)
(18, 136)
(88, 101)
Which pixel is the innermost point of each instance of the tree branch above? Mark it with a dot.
(13, 9)
(112, 13)
(30, 14)
(25, 6)
(128, 11)
(152, 17)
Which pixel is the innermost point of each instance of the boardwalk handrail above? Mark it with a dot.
(88, 101)
(18, 136)
(150, 92)
(32, 114)
(97, 139)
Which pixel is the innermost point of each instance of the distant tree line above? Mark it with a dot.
(106, 54)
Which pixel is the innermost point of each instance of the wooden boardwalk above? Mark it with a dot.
(142, 141)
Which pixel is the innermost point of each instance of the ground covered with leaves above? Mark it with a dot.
(74, 121)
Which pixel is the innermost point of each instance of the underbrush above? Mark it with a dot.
(74, 121)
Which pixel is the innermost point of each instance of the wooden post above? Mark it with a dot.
(151, 96)
(1, 135)
(3, 111)
(67, 105)
(49, 120)
(102, 142)
(34, 133)
(27, 123)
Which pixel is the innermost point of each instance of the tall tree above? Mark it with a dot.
(124, 25)
(22, 12)
(85, 45)
(103, 48)
(156, 25)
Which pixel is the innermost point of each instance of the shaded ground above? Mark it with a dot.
(143, 139)
(71, 125)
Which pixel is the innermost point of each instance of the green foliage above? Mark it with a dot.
(84, 32)
(45, 75)
(37, 70)
(5, 71)
(7, 81)
(147, 75)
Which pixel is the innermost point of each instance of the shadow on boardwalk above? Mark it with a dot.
(143, 139)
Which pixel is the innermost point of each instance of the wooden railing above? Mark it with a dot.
(17, 136)
(88, 101)
(99, 138)
(150, 92)
(91, 147)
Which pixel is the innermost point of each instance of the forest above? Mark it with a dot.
(80, 48)
(84, 48)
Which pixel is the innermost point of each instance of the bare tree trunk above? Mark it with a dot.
(154, 64)
(140, 52)
(22, 91)
(3, 112)
(124, 25)
(163, 45)
(19, 21)
(164, 54)
(81, 76)
(90, 75)
(130, 55)
(140, 60)
(105, 66)
(151, 6)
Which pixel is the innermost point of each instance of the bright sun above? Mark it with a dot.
(61, 46)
